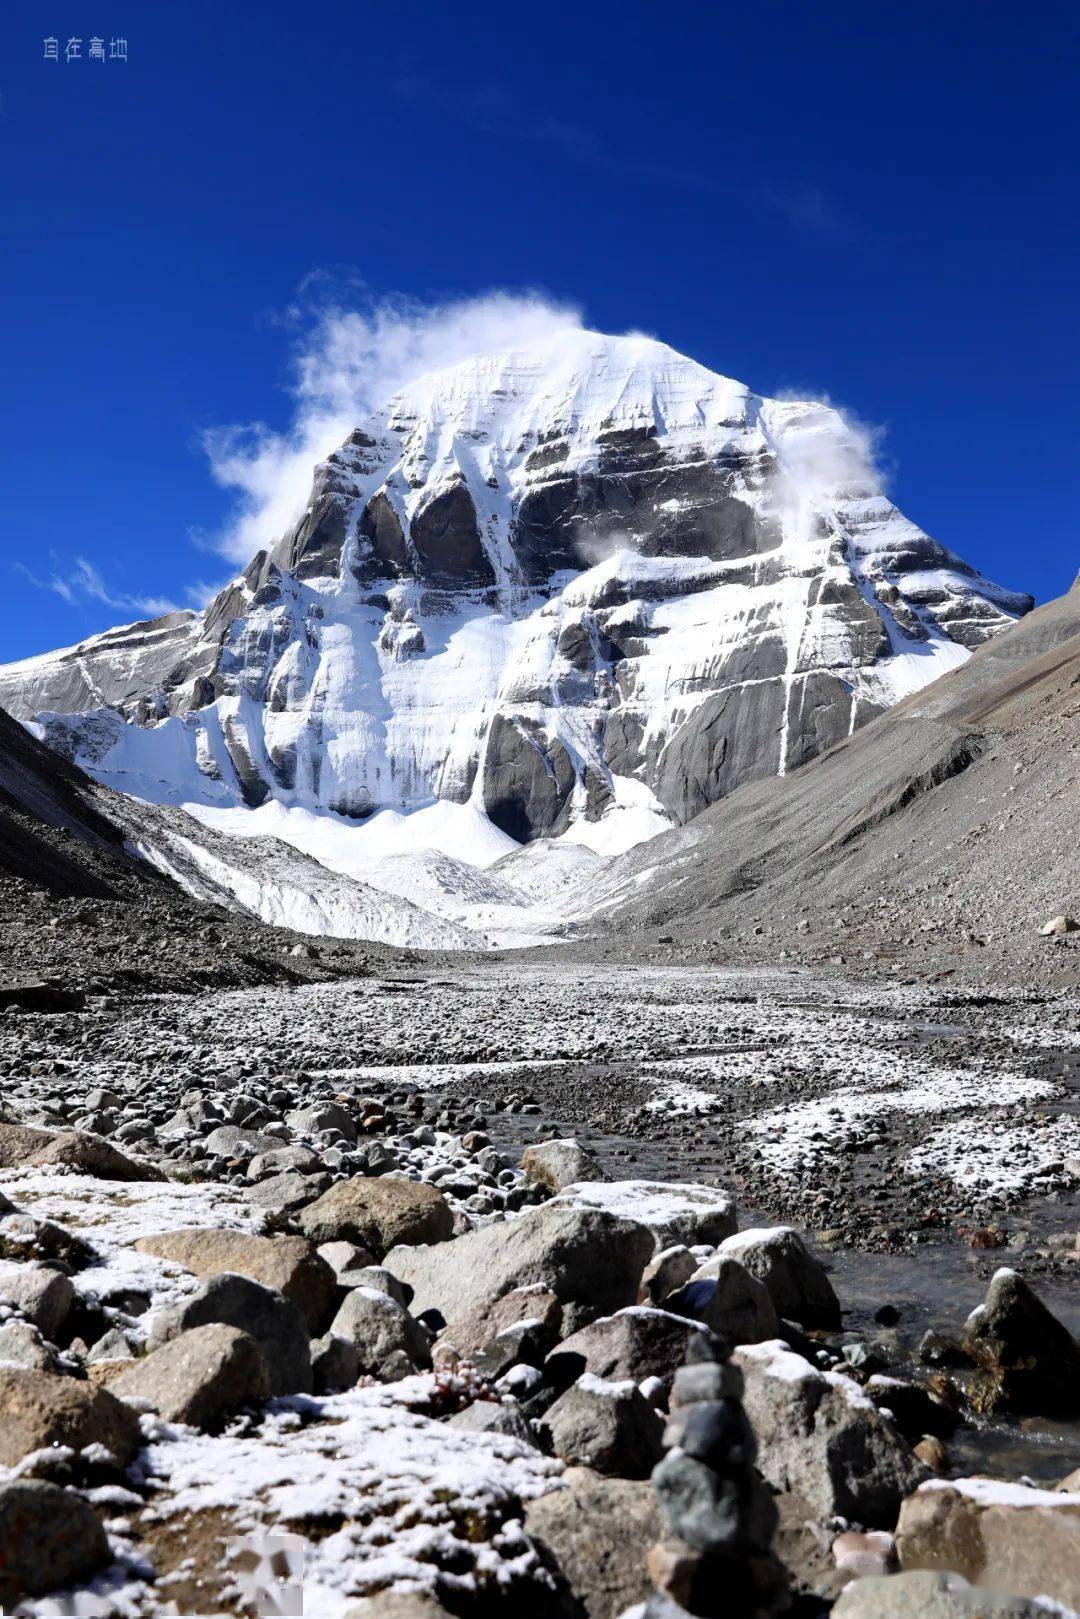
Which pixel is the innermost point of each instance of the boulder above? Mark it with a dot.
(558, 1164)
(232, 1141)
(674, 1212)
(290, 1265)
(1031, 1363)
(666, 1272)
(236, 1301)
(282, 1196)
(930, 1596)
(335, 1364)
(590, 1259)
(503, 1417)
(281, 1159)
(1058, 925)
(43, 1296)
(25, 1147)
(1006, 1536)
(796, 1282)
(726, 1298)
(471, 1335)
(388, 1342)
(633, 1344)
(379, 1214)
(606, 1426)
(309, 1121)
(378, 1277)
(596, 1531)
(21, 1344)
(49, 1538)
(201, 1378)
(820, 1436)
(38, 1409)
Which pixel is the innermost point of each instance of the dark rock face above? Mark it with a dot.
(447, 541)
(527, 781)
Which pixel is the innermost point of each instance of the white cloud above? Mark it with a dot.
(350, 360)
(79, 581)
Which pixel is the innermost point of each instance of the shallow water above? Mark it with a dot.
(936, 1285)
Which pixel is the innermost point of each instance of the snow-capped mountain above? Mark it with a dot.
(583, 588)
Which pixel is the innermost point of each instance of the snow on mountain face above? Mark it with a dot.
(586, 589)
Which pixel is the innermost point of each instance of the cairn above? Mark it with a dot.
(716, 1562)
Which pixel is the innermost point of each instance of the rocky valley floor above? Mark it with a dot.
(412, 1431)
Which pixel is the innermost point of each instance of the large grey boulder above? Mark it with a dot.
(200, 1378)
(606, 1426)
(309, 1121)
(675, 1212)
(232, 1141)
(726, 1298)
(21, 1344)
(597, 1530)
(49, 1538)
(388, 1342)
(555, 1165)
(796, 1282)
(22, 1146)
(591, 1260)
(39, 1409)
(470, 1335)
(931, 1596)
(633, 1344)
(1006, 1536)
(378, 1214)
(820, 1436)
(236, 1301)
(1030, 1360)
(290, 1265)
(44, 1296)
(503, 1417)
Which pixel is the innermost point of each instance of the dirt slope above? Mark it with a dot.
(938, 839)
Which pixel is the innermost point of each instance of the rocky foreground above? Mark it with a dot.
(307, 1290)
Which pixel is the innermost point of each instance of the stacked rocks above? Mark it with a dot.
(719, 1512)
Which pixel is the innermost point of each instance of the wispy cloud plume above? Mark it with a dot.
(353, 351)
(78, 581)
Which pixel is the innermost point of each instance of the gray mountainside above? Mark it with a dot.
(944, 834)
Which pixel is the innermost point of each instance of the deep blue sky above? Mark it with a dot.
(876, 201)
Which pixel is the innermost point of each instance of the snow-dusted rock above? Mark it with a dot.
(23, 1146)
(48, 1538)
(633, 1344)
(796, 1282)
(290, 1265)
(389, 1343)
(589, 1258)
(38, 1409)
(820, 1436)
(43, 1296)
(728, 1299)
(933, 1596)
(1006, 1536)
(606, 1426)
(1030, 1360)
(201, 1378)
(674, 1211)
(235, 1301)
(379, 1213)
(558, 1164)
